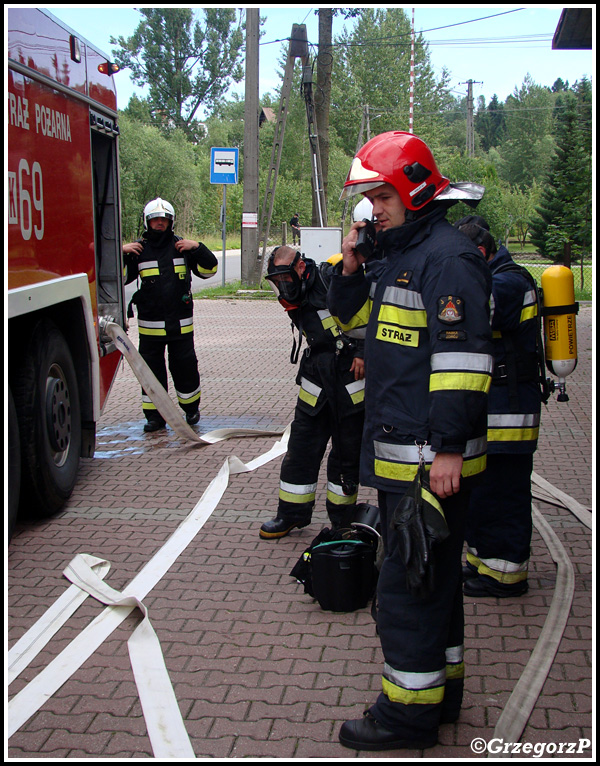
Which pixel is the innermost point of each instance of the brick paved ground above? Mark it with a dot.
(259, 670)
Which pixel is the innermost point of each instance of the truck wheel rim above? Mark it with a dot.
(58, 414)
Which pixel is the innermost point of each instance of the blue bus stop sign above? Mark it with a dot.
(224, 165)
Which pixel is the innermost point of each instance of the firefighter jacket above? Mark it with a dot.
(164, 300)
(423, 309)
(515, 396)
(324, 373)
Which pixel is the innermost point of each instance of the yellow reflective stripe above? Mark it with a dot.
(513, 434)
(502, 571)
(400, 335)
(360, 319)
(432, 500)
(459, 381)
(413, 688)
(455, 671)
(149, 273)
(309, 392)
(412, 697)
(406, 471)
(402, 316)
(507, 578)
(208, 272)
(193, 396)
(328, 321)
(180, 269)
(529, 312)
(394, 471)
(187, 328)
(335, 495)
(151, 331)
(473, 466)
(356, 390)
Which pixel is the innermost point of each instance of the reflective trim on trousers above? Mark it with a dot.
(413, 688)
(297, 493)
(335, 495)
(506, 572)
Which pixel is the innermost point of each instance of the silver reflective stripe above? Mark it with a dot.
(409, 453)
(415, 681)
(179, 261)
(400, 296)
(184, 396)
(402, 453)
(455, 654)
(514, 421)
(298, 489)
(356, 386)
(309, 387)
(451, 360)
(492, 308)
(529, 298)
(147, 265)
(151, 325)
(186, 322)
(508, 567)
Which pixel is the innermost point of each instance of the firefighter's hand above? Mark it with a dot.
(444, 475)
(358, 368)
(186, 244)
(352, 260)
(133, 247)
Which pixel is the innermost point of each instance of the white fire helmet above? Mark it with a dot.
(159, 208)
(363, 210)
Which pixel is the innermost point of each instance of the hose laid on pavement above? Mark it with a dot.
(521, 702)
(162, 400)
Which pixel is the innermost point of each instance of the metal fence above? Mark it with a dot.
(582, 275)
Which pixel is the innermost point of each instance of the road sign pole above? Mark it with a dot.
(224, 230)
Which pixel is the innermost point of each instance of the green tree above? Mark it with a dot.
(490, 123)
(185, 65)
(153, 165)
(565, 208)
(525, 154)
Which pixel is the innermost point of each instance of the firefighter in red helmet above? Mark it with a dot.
(422, 299)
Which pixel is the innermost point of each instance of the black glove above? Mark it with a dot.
(419, 523)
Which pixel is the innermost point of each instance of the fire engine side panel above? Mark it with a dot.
(49, 163)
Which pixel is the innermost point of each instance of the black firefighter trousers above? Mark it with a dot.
(422, 638)
(309, 436)
(183, 365)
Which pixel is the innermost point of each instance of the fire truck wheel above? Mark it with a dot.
(14, 464)
(47, 400)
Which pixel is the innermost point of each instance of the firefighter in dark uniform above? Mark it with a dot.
(330, 403)
(424, 301)
(164, 264)
(499, 523)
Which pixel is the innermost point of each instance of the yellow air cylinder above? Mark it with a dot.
(560, 332)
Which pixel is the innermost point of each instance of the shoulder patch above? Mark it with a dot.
(451, 309)
(404, 277)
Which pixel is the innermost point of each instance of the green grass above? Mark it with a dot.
(237, 290)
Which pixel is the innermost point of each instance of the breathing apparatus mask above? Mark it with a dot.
(288, 285)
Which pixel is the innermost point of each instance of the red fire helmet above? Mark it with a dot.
(402, 160)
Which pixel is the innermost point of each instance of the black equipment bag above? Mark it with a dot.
(339, 569)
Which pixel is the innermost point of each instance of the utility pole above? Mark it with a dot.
(251, 193)
(470, 109)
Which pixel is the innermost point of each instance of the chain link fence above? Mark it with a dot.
(582, 274)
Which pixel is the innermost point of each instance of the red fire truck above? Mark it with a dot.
(64, 255)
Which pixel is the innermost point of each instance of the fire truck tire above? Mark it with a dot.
(47, 401)
(14, 465)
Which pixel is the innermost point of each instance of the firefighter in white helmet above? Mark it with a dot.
(422, 299)
(164, 263)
